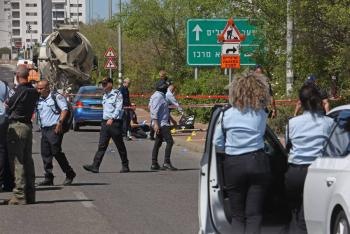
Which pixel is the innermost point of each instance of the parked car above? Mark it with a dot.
(327, 190)
(87, 106)
(326, 194)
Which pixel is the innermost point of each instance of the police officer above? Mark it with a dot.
(240, 136)
(21, 106)
(52, 110)
(160, 117)
(124, 89)
(111, 127)
(6, 176)
(305, 138)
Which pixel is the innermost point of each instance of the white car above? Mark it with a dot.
(327, 185)
(326, 207)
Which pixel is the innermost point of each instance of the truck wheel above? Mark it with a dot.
(341, 224)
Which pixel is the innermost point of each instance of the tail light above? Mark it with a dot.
(79, 104)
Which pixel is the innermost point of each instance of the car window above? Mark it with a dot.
(338, 143)
(92, 93)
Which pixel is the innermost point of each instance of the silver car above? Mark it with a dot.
(326, 194)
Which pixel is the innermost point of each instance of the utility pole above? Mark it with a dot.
(120, 75)
(289, 62)
(109, 9)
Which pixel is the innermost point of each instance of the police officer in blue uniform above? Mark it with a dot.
(111, 127)
(306, 136)
(239, 135)
(51, 120)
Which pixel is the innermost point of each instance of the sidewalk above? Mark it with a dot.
(190, 140)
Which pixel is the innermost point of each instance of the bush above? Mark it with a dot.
(206, 85)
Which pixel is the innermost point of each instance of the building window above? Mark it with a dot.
(31, 5)
(15, 14)
(58, 14)
(31, 13)
(16, 32)
(76, 5)
(57, 6)
(7, 9)
(15, 5)
(32, 22)
(75, 14)
(16, 23)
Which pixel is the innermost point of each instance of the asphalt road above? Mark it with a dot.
(109, 202)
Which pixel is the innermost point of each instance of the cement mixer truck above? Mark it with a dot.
(66, 59)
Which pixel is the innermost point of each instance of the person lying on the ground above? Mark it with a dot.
(137, 130)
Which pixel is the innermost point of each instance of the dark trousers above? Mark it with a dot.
(164, 135)
(6, 174)
(126, 121)
(246, 180)
(107, 132)
(294, 184)
(51, 147)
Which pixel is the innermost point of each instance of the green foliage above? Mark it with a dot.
(154, 38)
(210, 83)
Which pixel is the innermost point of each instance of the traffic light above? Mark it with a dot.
(29, 27)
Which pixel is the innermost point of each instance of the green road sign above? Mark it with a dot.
(203, 48)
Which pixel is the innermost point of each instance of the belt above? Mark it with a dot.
(47, 128)
(298, 165)
(251, 152)
(114, 120)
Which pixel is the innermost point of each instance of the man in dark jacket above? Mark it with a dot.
(124, 89)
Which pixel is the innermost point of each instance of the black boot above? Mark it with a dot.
(69, 178)
(91, 168)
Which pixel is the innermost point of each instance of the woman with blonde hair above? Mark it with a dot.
(240, 136)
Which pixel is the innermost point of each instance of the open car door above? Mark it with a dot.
(214, 211)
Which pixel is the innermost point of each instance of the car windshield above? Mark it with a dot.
(90, 93)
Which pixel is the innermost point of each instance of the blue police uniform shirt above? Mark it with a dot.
(172, 100)
(244, 131)
(308, 134)
(112, 105)
(49, 115)
(159, 109)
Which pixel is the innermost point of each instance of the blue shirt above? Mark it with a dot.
(112, 105)
(308, 133)
(159, 108)
(244, 131)
(49, 115)
(172, 100)
(4, 91)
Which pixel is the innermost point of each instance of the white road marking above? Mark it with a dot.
(85, 203)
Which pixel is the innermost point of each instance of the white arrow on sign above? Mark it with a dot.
(230, 49)
(197, 30)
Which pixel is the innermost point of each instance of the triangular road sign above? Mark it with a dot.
(231, 33)
(110, 53)
(110, 64)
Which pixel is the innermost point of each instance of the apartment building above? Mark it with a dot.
(42, 16)
(70, 10)
(26, 22)
(5, 23)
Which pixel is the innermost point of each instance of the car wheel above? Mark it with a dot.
(75, 126)
(341, 224)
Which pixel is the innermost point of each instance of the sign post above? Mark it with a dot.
(203, 48)
(110, 55)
